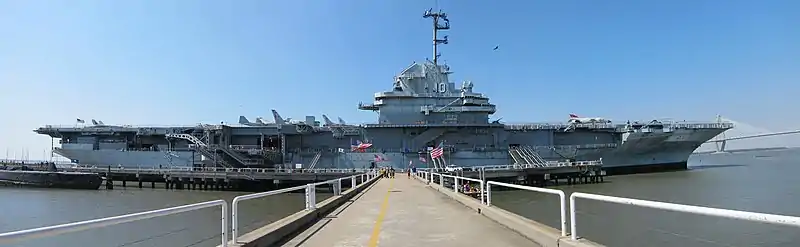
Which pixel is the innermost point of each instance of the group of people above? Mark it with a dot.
(390, 172)
(387, 172)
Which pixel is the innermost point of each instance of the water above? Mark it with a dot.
(28, 208)
(763, 181)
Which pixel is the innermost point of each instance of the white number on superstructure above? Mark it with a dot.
(442, 87)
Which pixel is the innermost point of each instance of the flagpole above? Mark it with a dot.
(433, 161)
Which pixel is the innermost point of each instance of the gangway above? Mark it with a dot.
(515, 156)
(315, 160)
(236, 156)
(533, 155)
(202, 147)
(525, 155)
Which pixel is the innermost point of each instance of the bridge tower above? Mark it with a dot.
(721, 144)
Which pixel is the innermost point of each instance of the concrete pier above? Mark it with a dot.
(402, 212)
(405, 211)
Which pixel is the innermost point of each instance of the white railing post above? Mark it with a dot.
(489, 194)
(337, 187)
(311, 197)
(561, 195)
(455, 184)
(572, 227)
(224, 224)
(482, 191)
(353, 183)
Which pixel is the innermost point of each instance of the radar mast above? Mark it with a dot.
(440, 22)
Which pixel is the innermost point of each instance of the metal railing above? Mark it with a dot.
(561, 195)
(427, 176)
(718, 212)
(456, 183)
(487, 191)
(310, 196)
(10, 237)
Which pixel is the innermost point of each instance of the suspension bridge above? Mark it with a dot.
(748, 132)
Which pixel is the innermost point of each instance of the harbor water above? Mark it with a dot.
(760, 181)
(756, 181)
(28, 208)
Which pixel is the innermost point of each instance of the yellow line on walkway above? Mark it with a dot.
(376, 231)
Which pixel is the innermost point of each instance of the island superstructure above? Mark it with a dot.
(422, 111)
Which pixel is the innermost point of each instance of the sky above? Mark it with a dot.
(175, 63)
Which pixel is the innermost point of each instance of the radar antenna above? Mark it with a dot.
(445, 25)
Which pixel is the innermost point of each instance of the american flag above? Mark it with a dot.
(437, 152)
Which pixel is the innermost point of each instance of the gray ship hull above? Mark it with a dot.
(633, 153)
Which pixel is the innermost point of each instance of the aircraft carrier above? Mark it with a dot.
(422, 112)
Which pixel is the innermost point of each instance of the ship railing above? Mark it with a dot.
(552, 126)
(670, 124)
(310, 196)
(718, 212)
(16, 236)
(126, 126)
(166, 170)
(32, 162)
(244, 147)
(700, 125)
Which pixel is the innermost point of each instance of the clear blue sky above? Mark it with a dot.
(172, 62)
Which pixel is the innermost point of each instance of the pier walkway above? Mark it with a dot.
(401, 211)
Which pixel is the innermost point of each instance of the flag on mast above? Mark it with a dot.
(438, 151)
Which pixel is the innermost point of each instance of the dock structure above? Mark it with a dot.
(542, 176)
(237, 179)
(424, 209)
